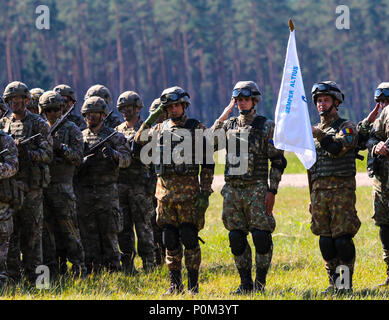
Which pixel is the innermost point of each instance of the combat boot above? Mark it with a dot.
(246, 282)
(148, 264)
(176, 286)
(193, 281)
(260, 280)
(386, 282)
(332, 277)
(349, 290)
(128, 263)
(78, 271)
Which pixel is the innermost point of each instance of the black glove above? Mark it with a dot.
(109, 153)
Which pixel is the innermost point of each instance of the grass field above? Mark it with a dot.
(297, 270)
(295, 166)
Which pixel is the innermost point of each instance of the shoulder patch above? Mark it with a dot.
(347, 131)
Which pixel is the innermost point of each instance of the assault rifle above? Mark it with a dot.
(60, 121)
(4, 151)
(27, 140)
(107, 117)
(97, 146)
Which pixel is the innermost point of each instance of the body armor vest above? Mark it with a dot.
(328, 166)
(184, 169)
(99, 170)
(256, 155)
(36, 175)
(62, 171)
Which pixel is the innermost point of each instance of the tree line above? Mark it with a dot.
(204, 46)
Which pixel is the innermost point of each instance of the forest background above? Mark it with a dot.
(204, 46)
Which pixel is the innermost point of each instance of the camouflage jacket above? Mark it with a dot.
(113, 121)
(263, 146)
(33, 168)
(347, 137)
(96, 169)
(179, 188)
(79, 121)
(137, 172)
(63, 166)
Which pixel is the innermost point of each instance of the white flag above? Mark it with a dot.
(293, 131)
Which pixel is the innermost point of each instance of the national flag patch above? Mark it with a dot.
(347, 131)
(271, 141)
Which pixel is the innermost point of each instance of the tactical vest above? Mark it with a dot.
(10, 190)
(256, 156)
(137, 172)
(62, 171)
(35, 175)
(328, 166)
(184, 169)
(98, 171)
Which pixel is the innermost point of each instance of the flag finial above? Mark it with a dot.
(291, 25)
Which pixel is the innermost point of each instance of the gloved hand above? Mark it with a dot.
(202, 202)
(154, 116)
(109, 153)
(23, 152)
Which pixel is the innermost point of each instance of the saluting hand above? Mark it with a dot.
(227, 110)
(374, 113)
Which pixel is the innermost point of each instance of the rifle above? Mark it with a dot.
(98, 145)
(373, 163)
(5, 114)
(60, 121)
(4, 151)
(26, 140)
(107, 117)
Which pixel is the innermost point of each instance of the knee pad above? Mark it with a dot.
(189, 235)
(238, 242)
(262, 241)
(327, 248)
(384, 236)
(170, 237)
(345, 248)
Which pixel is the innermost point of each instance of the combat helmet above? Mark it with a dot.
(175, 95)
(128, 99)
(66, 91)
(35, 94)
(382, 92)
(328, 88)
(16, 88)
(94, 104)
(50, 99)
(247, 89)
(101, 91)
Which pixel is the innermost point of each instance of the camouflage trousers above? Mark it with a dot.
(381, 205)
(158, 243)
(60, 226)
(137, 208)
(244, 210)
(26, 237)
(6, 226)
(100, 222)
(334, 213)
(175, 214)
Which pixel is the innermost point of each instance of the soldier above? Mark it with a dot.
(33, 103)
(8, 168)
(4, 111)
(379, 153)
(152, 182)
(248, 197)
(136, 203)
(69, 97)
(59, 198)
(332, 185)
(182, 199)
(112, 120)
(34, 156)
(99, 212)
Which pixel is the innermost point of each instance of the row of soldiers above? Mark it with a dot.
(108, 189)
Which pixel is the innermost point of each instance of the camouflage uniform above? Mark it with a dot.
(244, 195)
(99, 213)
(137, 206)
(61, 225)
(33, 103)
(34, 175)
(8, 168)
(78, 121)
(380, 132)
(332, 184)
